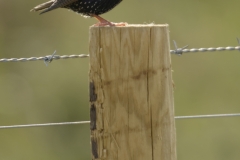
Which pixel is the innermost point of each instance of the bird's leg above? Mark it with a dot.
(104, 22)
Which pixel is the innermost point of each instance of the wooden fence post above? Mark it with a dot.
(131, 93)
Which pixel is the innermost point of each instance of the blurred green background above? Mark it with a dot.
(30, 92)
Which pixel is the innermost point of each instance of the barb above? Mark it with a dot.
(177, 51)
(48, 59)
(238, 40)
(87, 122)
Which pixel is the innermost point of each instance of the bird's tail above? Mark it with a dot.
(51, 5)
(42, 6)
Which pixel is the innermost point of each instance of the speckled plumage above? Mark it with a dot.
(84, 7)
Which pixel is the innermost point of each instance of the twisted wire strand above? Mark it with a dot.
(205, 49)
(56, 57)
(87, 122)
(43, 125)
(208, 116)
(177, 51)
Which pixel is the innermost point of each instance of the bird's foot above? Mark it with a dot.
(104, 22)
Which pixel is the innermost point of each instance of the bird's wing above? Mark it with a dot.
(53, 4)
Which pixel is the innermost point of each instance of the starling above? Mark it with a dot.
(88, 8)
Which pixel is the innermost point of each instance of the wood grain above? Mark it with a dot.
(130, 70)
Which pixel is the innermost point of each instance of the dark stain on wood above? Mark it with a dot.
(93, 95)
(144, 73)
(94, 148)
(93, 117)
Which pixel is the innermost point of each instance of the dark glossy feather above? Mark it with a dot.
(84, 7)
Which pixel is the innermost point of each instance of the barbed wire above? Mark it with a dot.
(87, 122)
(178, 51)
(47, 59)
(56, 57)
